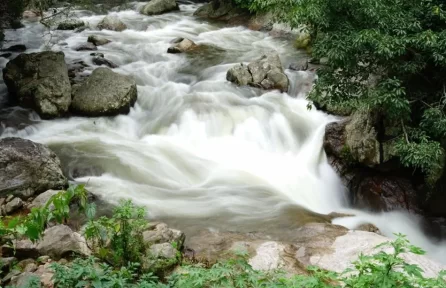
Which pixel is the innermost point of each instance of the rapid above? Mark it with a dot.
(197, 151)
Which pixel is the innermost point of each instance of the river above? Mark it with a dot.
(197, 151)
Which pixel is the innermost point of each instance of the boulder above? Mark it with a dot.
(7, 263)
(40, 81)
(104, 93)
(22, 249)
(354, 138)
(98, 41)
(28, 168)
(5, 55)
(43, 198)
(86, 47)
(102, 61)
(266, 73)
(12, 206)
(22, 279)
(70, 24)
(15, 48)
(156, 7)
(164, 251)
(60, 240)
(112, 23)
(223, 10)
(182, 45)
(161, 233)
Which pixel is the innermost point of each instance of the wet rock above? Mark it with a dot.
(381, 192)
(86, 47)
(300, 66)
(40, 81)
(182, 45)
(104, 93)
(266, 73)
(156, 7)
(70, 24)
(239, 75)
(102, 61)
(98, 41)
(6, 55)
(12, 206)
(354, 139)
(97, 54)
(112, 23)
(60, 240)
(28, 168)
(15, 48)
(161, 233)
(368, 228)
(75, 71)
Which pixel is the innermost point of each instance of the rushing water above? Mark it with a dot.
(196, 150)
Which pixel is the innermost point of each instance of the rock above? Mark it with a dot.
(163, 234)
(31, 267)
(10, 275)
(21, 279)
(239, 75)
(182, 46)
(42, 199)
(23, 249)
(302, 65)
(13, 206)
(7, 263)
(6, 55)
(97, 54)
(9, 198)
(266, 73)
(354, 139)
(45, 273)
(156, 7)
(44, 259)
(102, 61)
(22, 264)
(104, 93)
(164, 250)
(15, 48)
(112, 23)
(40, 81)
(30, 14)
(75, 71)
(222, 10)
(70, 24)
(98, 41)
(86, 47)
(378, 192)
(315, 244)
(3, 201)
(60, 240)
(368, 228)
(28, 168)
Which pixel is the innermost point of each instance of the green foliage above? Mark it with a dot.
(118, 239)
(33, 225)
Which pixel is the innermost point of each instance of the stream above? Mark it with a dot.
(196, 150)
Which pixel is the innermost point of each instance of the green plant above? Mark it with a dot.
(119, 239)
(33, 225)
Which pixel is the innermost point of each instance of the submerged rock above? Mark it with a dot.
(86, 47)
(70, 24)
(28, 168)
(156, 7)
(98, 41)
(40, 81)
(102, 61)
(266, 73)
(104, 93)
(15, 48)
(182, 45)
(112, 23)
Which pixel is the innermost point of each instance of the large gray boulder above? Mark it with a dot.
(104, 93)
(28, 168)
(112, 23)
(40, 81)
(266, 73)
(156, 7)
(59, 241)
